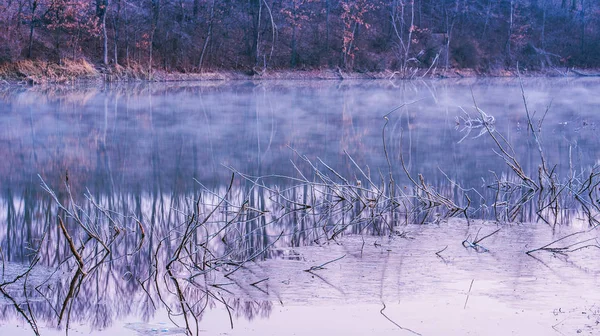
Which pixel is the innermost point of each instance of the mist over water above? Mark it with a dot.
(140, 133)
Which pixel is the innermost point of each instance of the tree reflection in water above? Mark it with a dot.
(146, 238)
(99, 258)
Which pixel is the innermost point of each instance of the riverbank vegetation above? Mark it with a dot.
(403, 37)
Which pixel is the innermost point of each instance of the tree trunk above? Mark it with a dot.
(101, 8)
(449, 26)
(257, 41)
(349, 46)
(273, 28)
(116, 24)
(409, 39)
(195, 10)
(127, 39)
(487, 18)
(34, 5)
(510, 30)
(104, 41)
(294, 23)
(327, 10)
(155, 17)
(543, 33)
(208, 35)
(582, 27)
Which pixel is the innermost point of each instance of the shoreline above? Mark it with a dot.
(39, 73)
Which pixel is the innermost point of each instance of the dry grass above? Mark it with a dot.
(134, 71)
(37, 72)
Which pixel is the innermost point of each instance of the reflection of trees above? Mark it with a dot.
(117, 253)
(143, 208)
(185, 263)
(107, 251)
(134, 130)
(130, 277)
(251, 309)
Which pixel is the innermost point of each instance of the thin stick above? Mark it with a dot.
(468, 293)
(71, 245)
(30, 320)
(556, 241)
(440, 251)
(320, 267)
(477, 241)
(259, 281)
(396, 324)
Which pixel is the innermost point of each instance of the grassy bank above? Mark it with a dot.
(42, 72)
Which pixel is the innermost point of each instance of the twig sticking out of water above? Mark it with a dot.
(385, 151)
(468, 293)
(71, 245)
(28, 317)
(438, 253)
(228, 311)
(506, 150)
(479, 248)
(477, 241)
(394, 322)
(74, 212)
(555, 198)
(191, 226)
(322, 266)
(475, 244)
(569, 248)
(254, 256)
(259, 281)
(559, 323)
(27, 314)
(478, 122)
(428, 198)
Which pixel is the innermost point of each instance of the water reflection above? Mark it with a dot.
(159, 136)
(138, 175)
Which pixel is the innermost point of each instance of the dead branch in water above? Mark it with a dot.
(76, 254)
(475, 243)
(438, 253)
(579, 245)
(322, 266)
(27, 316)
(468, 294)
(394, 322)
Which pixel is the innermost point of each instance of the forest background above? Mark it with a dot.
(191, 36)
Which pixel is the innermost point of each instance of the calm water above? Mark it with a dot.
(142, 137)
(140, 159)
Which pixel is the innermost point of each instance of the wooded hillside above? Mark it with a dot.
(361, 35)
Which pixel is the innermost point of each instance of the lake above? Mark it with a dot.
(429, 207)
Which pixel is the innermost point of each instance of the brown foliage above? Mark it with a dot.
(280, 34)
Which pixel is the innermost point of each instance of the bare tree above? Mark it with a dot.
(101, 8)
(33, 5)
(208, 34)
(403, 29)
